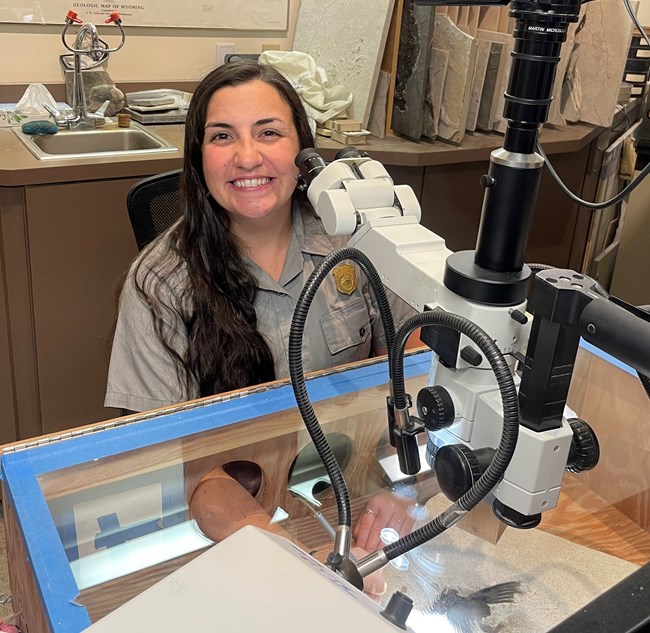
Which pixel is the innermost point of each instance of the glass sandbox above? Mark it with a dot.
(97, 515)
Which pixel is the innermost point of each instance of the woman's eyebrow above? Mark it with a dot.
(217, 124)
(229, 126)
(268, 120)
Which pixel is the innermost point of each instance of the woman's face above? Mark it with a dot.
(249, 148)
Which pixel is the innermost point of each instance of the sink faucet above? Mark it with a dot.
(87, 43)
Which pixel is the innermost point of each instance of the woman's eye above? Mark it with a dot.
(270, 133)
(219, 136)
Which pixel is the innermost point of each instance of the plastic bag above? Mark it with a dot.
(322, 99)
(29, 108)
(31, 103)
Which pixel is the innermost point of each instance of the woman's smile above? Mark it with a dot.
(251, 183)
(249, 149)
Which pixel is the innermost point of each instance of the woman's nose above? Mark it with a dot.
(247, 154)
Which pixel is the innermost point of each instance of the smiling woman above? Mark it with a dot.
(249, 168)
(207, 307)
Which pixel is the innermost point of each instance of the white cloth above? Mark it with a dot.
(322, 99)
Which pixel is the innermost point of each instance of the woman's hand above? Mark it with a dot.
(385, 509)
(220, 505)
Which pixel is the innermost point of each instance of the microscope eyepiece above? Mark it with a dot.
(349, 152)
(310, 163)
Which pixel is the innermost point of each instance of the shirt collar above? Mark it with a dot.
(308, 237)
(310, 233)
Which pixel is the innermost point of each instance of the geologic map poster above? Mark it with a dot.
(253, 15)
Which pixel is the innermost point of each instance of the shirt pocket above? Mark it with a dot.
(347, 327)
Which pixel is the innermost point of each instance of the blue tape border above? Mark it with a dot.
(20, 470)
(605, 356)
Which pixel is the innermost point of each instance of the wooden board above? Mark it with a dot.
(496, 79)
(555, 111)
(613, 402)
(506, 23)
(377, 121)
(598, 61)
(487, 105)
(484, 49)
(634, 254)
(389, 60)
(435, 82)
(609, 184)
(499, 123)
(488, 18)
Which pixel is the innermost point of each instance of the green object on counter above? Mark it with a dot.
(39, 127)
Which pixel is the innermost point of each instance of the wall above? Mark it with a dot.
(644, 13)
(149, 54)
(153, 54)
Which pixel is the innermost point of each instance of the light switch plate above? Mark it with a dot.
(222, 51)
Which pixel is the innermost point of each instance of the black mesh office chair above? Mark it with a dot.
(154, 204)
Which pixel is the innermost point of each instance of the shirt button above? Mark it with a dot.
(362, 331)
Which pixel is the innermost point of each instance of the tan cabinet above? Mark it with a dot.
(630, 280)
(65, 248)
(7, 400)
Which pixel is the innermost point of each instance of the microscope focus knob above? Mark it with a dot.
(398, 609)
(585, 450)
(458, 468)
(519, 316)
(487, 181)
(435, 407)
(471, 356)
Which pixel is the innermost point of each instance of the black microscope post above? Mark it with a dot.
(513, 179)
(495, 273)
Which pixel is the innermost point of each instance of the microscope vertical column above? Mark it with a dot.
(515, 170)
(494, 273)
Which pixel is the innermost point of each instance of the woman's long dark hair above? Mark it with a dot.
(225, 350)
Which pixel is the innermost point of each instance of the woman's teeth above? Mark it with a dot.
(254, 182)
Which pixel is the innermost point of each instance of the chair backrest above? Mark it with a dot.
(154, 204)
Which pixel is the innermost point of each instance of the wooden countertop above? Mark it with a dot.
(474, 147)
(19, 168)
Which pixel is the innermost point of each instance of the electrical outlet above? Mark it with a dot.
(222, 51)
(270, 46)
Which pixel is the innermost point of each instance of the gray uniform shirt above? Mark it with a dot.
(343, 323)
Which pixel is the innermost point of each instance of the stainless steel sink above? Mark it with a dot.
(102, 142)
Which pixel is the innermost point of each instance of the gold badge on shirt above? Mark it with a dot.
(346, 278)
